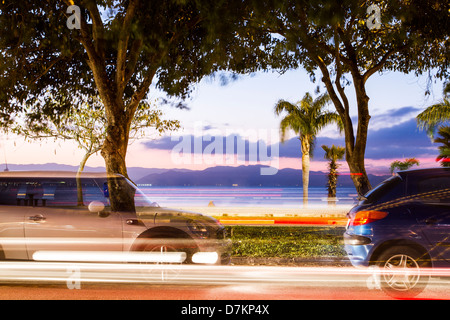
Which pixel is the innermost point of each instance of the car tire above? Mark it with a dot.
(170, 243)
(165, 271)
(401, 271)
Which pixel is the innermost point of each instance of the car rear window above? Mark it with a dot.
(385, 191)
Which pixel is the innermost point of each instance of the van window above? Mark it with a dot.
(48, 192)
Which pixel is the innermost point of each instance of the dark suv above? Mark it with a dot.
(53, 215)
(403, 226)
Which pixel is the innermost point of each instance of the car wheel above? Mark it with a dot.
(170, 244)
(401, 272)
(166, 269)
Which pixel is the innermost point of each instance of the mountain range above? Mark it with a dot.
(242, 176)
(135, 173)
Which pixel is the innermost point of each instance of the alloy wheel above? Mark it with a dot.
(401, 272)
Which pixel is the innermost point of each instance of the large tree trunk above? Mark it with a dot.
(359, 176)
(355, 147)
(111, 91)
(356, 161)
(114, 151)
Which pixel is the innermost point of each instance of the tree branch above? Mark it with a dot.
(381, 63)
(133, 58)
(139, 94)
(98, 28)
(351, 60)
(122, 47)
(339, 76)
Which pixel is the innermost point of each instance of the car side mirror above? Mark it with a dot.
(97, 207)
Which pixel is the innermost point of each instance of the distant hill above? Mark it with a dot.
(244, 176)
(135, 173)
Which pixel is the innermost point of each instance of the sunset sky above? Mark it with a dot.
(244, 109)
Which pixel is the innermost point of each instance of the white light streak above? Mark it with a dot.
(205, 257)
(106, 256)
(195, 274)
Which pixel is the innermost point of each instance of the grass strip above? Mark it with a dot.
(287, 241)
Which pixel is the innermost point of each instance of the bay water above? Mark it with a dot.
(244, 196)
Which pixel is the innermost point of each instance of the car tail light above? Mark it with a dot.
(367, 216)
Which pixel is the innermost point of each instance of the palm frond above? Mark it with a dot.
(283, 105)
(321, 101)
(327, 118)
(334, 152)
(306, 102)
(290, 122)
(433, 116)
(306, 118)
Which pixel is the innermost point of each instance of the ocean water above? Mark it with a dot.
(242, 196)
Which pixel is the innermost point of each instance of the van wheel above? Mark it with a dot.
(401, 274)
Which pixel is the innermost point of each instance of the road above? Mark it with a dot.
(83, 281)
(195, 292)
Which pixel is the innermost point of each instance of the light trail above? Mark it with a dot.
(198, 274)
(106, 256)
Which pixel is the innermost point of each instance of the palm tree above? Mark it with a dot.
(435, 115)
(333, 154)
(403, 165)
(444, 150)
(306, 118)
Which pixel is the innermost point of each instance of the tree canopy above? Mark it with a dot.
(334, 39)
(85, 123)
(123, 47)
(119, 50)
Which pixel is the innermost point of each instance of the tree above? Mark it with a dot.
(333, 154)
(85, 123)
(403, 165)
(444, 150)
(306, 118)
(435, 115)
(114, 50)
(333, 37)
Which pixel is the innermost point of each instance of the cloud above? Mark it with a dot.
(163, 143)
(401, 141)
(256, 149)
(392, 117)
(392, 135)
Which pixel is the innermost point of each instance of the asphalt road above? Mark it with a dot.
(48, 281)
(204, 292)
